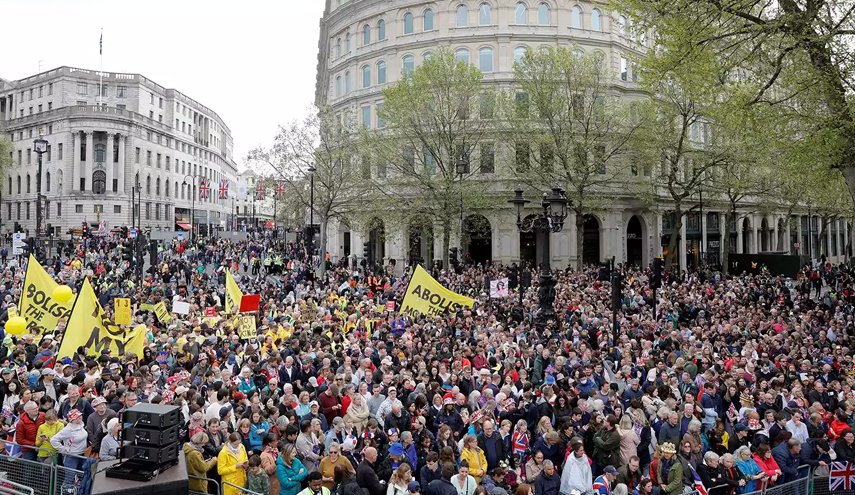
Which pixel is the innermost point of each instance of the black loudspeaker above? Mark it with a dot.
(155, 455)
(145, 415)
(150, 436)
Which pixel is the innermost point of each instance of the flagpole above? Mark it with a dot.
(101, 71)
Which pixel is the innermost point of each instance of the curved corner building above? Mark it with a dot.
(365, 45)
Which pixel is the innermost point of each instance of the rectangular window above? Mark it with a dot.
(80, 103)
(18, 211)
(157, 212)
(137, 156)
(28, 210)
(29, 156)
(523, 156)
(121, 91)
(486, 105)
(168, 164)
(8, 211)
(158, 160)
(81, 89)
(366, 117)
(623, 69)
(380, 122)
(148, 211)
(31, 94)
(160, 103)
(49, 152)
(148, 158)
(41, 91)
(59, 151)
(50, 105)
(50, 89)
(117, 208)
(522, 104)
(488, 158)
(98, 209)
(78, 208)
(58, 210)
(40, 108)
(103, 89)
(82, 185)
(20, 154)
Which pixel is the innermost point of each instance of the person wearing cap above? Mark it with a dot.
(603, 484)
(670, 472)
(71, 441)
(110, 445)
(314, 413)
(27, 429)
(96, 420)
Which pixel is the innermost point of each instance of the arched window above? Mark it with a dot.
(366, 34)
(462, 16)
(348, 83)
(426, 56)
(576, 17)
(543, 14)
(521, 14)
(408, 64)
(485, 15)
(519, 53)
(99, 182)
(381, 30)
(157, 186)
(338, 91)
(338, 47)
(596, 22)
(381, 72)
(19, 184)
(462, 55)
(408, 23)
(28, 183)
(366, 76)
(428, 20)
(485, 59)
(622, 25)
(47, 181)
(148, 185)
(100, 153)
(347, 44)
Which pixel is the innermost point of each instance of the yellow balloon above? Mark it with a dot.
(16, 325)
(62, 294)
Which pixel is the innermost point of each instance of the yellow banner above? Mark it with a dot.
(246, 327)
(233, 293)
(426, 296)
(159, 310)
(37, 304)
(89, 328)
(122, 311)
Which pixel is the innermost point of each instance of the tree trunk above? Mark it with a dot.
(580, 239)
(446, 244)
(674, 243)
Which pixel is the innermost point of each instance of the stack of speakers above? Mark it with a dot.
(150, 435)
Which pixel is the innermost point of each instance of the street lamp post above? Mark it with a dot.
(192, 204)
(462, 170)
(551, 219)
(310, 238)
(40, 147)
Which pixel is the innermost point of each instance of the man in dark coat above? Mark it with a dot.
(490, 441)
(443, 486)
(366, 477)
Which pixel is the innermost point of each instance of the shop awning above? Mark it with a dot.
(184, 226)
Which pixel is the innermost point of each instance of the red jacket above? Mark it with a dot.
(25, 433)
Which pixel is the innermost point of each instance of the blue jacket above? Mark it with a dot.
(290, 478)
(256, 439)
(788, 462)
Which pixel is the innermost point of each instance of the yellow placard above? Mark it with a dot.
(37, 304)
(246, 327)
(233, 293)
(11, 312)
(159, 311)
(89, 328)
(426, 296)
(122, 311)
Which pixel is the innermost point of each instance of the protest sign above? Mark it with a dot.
(37, 304)
(122, 311)
(426, 296)
(246, 327)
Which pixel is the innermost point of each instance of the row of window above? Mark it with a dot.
(78, 208)
(485, 18)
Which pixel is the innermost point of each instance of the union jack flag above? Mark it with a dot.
(699, 485)
(280, 189)
(204, 189)
(841, 476)
(224, 189)
(259, 191)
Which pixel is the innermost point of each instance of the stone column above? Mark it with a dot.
(75, 161)
(703, 248)
(724, 238)
(739, 249)
(121, 166)
(682, 246)
(109, 164)
(90, 159)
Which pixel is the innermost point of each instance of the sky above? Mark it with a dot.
(251, 61)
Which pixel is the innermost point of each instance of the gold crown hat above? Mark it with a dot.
(667, 448)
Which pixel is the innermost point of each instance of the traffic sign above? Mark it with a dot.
(18, 242)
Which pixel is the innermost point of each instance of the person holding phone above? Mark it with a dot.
(232, 462)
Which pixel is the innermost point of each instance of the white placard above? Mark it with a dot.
(180, 307)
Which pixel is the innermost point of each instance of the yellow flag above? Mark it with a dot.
(426, 296)
(37, 304)
(233, 293)
(122, 311)
(90, 328)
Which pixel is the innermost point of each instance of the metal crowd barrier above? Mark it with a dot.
(11, 488)
(211, 483)
(240, 489)
(44, 476)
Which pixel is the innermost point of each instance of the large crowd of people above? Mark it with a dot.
(738, 382)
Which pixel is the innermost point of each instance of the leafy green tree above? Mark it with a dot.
(578, 135)
(322, 147)
(435, 117)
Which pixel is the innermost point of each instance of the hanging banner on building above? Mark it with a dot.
(122, 311)
(90, 329)
(37, 304)
(246, 327)
(426, 296)
(241, 189)
(499, 288)
(233, 293)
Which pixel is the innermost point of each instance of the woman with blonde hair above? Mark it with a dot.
(197, 466)
(473, 455)
(399, 480)
(629, 439)
(357, 413)
(331, 461)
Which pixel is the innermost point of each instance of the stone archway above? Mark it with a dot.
(477, 239)
(376, 242)
(746, 236)
(529, 245)
(420, 242)
(765, 236)
(635, 241)
(591, 240)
